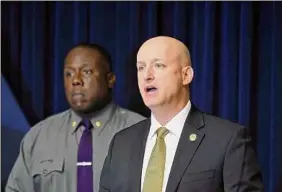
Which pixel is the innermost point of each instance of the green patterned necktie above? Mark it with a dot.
(153, 181)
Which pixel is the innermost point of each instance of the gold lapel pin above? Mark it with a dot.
(98, 123)
(193, 137)
(73, 123)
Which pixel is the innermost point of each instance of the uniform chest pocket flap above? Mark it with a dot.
(47, 166)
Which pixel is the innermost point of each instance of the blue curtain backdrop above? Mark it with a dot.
(236, 50)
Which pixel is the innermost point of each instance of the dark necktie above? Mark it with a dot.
(84, 160)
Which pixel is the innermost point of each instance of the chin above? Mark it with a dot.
(152, 104)
(79, 109)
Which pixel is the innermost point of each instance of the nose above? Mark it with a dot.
(77, 80)
(149, 74)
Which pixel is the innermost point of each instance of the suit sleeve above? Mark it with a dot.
(105, 179)
(241, 172)
(20, 179)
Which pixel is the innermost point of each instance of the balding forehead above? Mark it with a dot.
(165, 41)
(165, 47)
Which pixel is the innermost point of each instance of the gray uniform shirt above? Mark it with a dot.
(48, 152)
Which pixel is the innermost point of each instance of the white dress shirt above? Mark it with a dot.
(175, 127)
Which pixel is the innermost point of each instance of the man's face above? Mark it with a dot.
(160, 75)
(86, 79)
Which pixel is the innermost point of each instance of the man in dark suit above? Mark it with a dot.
(179, 148)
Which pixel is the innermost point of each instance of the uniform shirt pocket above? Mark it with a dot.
(48, 174)
(46, 166)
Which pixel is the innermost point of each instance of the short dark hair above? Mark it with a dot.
(103, 51)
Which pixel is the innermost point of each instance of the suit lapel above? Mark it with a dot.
(137, 154)
(188, 144)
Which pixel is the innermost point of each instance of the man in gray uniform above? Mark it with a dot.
(53, 157)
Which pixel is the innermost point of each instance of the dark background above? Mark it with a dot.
(236, 50)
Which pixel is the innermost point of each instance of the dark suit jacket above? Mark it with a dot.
(220, 159)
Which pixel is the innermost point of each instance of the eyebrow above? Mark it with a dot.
(83, 66)
(140, 63)
(68, 67)
(153, 61)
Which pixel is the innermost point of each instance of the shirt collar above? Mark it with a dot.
(175, 125)
(98, 119)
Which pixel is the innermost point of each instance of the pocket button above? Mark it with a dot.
(45, 171)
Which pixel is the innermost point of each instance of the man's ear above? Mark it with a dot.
(111, 79)
(187, 74)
